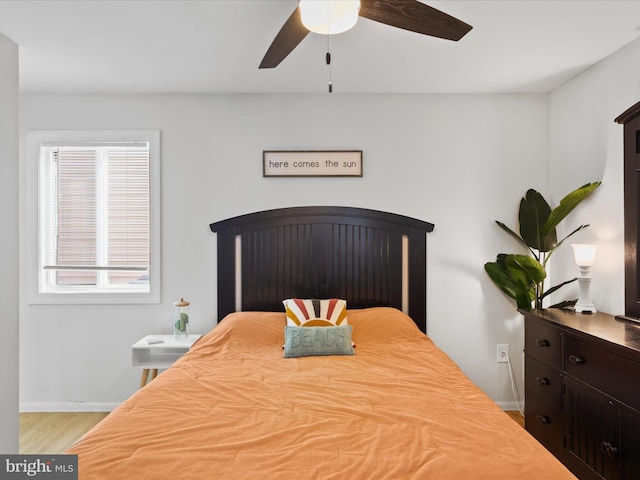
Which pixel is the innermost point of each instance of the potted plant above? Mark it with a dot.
(522, 277)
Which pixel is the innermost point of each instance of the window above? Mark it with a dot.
(94, 217)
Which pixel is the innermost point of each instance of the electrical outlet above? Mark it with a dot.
(502, 353)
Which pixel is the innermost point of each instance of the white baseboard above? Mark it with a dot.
(27, 407)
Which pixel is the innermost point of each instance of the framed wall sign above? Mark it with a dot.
(316, 163)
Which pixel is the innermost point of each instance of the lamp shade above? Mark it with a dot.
(584, 254)
(329, 16)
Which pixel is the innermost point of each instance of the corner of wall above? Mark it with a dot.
(9, 245)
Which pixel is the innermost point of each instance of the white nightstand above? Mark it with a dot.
(155, 352)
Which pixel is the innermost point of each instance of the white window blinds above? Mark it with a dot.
(96, 205)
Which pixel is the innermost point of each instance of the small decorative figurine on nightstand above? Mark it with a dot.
(181, 319)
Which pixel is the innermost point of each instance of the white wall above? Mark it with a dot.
(459, 161)
(586, 145)
(9, 246)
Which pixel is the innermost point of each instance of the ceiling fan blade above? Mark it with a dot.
(414, 16)
(288, 38)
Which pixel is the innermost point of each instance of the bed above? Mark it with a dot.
(395, 407)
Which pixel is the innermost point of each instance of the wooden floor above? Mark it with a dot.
(517, 416)
(53, 433)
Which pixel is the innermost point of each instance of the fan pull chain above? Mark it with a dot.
(328, 60)
(328, 57)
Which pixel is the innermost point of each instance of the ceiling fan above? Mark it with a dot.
(409, 15)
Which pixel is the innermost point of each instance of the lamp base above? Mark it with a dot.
(584, 303)
(585, 308)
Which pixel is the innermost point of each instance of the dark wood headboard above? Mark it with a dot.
(322, 252)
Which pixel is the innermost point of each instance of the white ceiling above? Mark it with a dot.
(216, 46)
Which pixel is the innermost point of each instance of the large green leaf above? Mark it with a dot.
(533, 214)
(516, 276)
(523, 296)
(557, 287)
(567, 204)
(525, 268)
(512, 233)
(501, 278)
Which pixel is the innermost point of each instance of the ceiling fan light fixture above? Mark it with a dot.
(329, 17)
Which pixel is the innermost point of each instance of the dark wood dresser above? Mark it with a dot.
(582, 391)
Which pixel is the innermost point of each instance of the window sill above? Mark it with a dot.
(94, 298)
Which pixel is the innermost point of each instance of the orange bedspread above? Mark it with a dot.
(234, 408)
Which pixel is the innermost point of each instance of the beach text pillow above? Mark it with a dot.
(317, 341)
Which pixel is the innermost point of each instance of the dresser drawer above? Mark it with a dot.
(612, 374)
(543, 343)
(543, 381)
(544, 421)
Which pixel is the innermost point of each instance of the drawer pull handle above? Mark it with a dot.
(576, 359)
(543, 342)
(543, 381)
(610, 450)
(543, 419)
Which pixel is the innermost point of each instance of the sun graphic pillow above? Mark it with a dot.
(316, 313)
(317, 341)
